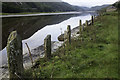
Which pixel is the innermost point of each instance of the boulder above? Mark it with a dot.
(61, 37)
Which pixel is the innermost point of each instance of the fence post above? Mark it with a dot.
(92, 20)
(15, 56)
(47, 46)
(68, 34)
(80, 26)
(86, 23)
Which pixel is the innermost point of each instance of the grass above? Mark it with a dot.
(96, 56)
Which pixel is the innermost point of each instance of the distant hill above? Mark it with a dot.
(17, 7)
(95, 8)
(85, 8)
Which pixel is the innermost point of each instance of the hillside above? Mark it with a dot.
(17, 7)
(95, 8)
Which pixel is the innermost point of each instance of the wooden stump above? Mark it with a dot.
(15, 56)
(47, 46)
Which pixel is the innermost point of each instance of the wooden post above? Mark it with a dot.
(92, 20)
(68, 34)
(83, 28)
(15, 56)
(47, 46)
(86, 23)
(80, 26)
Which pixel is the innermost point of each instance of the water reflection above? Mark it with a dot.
(27, 26)
(34, 29)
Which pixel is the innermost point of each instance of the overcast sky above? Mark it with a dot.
(89, 3)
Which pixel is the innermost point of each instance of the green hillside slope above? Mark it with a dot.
(16, 7)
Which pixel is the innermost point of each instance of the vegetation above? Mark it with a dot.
(95, 57)
(17, 7)
(117, 4)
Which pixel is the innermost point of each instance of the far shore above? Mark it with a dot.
(39, 13)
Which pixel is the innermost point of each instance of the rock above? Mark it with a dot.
(61, 37)
(78, 32)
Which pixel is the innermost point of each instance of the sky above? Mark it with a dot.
(90, 3)
(86, 3)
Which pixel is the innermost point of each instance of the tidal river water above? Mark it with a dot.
(33, 29)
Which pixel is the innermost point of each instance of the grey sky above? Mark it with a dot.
(89, 3)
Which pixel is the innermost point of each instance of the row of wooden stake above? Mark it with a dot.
(15, 53)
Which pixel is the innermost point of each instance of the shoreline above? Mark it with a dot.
(37, 53)
(40, 14)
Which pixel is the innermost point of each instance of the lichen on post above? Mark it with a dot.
(47, 46)
(68, 34)
(15, 56)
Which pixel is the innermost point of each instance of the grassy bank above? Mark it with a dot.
(96, 56)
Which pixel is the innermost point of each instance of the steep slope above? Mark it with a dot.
(16, 7)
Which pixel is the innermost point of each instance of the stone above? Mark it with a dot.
(61, 37)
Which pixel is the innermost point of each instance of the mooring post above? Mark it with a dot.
(68, 34)
(92, 20)
(15, 56)
(47, 46)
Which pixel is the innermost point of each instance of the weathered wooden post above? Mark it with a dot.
(15, 56)
(80, 26)
(47, 46)
(86, 23)
(92, 20)
(68, 34)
